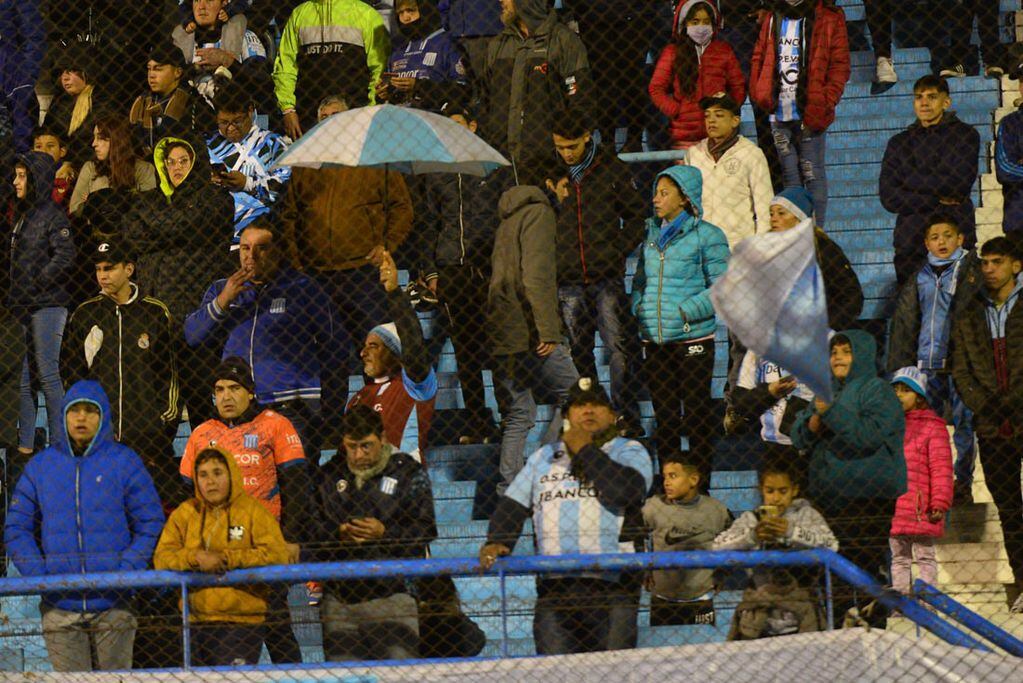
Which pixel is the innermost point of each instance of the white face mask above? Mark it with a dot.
(794, 3)
(700, 35)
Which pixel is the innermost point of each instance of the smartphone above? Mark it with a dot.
(219, 169)
(767, 512)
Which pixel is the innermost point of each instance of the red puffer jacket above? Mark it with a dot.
(719, 72)
(828, 66)
(928, 476)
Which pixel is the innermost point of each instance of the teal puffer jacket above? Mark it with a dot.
(671, 289)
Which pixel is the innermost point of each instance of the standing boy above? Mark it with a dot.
(922, 325)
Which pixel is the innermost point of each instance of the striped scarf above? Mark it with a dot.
(576, 172)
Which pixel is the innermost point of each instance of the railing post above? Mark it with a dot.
(504, 612)
(186, 648)
(829, 598)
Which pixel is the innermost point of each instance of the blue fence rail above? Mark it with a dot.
(830, 562)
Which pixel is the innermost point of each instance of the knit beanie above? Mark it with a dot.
(796, 200)
(388, 334)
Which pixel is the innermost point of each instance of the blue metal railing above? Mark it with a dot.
(828, 560)
(968, 618)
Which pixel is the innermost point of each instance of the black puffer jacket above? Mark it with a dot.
(459, 219)
(592, 245)
(42, 251)
(182, 234)
(842, 288)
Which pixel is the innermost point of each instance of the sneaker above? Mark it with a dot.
(954, 71)
(885, 71)
(314, 592)
(1017, 607)
(962, 494)
(994, 71)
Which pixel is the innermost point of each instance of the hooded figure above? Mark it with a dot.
(73, 115)
(182, 233)
(426, 53)
(83, 510)
(858, 452)
(527, 81)
(239, 528)
(696, 64)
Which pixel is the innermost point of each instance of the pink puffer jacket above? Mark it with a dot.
(928, 475)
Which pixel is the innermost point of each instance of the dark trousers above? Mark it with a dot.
(195, 370)
(156, 448)
(862, 528)
(279, 637)
(463, 292)
(584, 615)
(1001, 461)
(359, 306)
(960, 27)
(678, 376)
(879, 21)
(226, 644)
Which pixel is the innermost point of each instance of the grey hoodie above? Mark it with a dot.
(807, 529)
(684, 526)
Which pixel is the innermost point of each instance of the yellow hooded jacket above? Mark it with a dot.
(243, 530)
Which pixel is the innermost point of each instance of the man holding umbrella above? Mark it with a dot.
(337, 222)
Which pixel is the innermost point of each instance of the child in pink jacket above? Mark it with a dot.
(920, 512)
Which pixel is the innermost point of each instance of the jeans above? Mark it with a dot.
(43, 330)
(602, 306)
(905, 549)
(518, 378)
(941, 393)
(584, 615)
(1001, 460)
(801, 152)
(879, 21)
(463, 293)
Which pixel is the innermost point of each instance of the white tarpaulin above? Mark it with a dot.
(837, 656)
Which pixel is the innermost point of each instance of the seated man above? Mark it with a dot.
(375, 503)
(242, 155)
(84, 492)
(580, 491)
(401, 384)
(274, 471)
(279, 318)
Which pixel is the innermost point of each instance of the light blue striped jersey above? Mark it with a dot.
(755, 371)
(567, 516)
(790, 38)
(253, 156)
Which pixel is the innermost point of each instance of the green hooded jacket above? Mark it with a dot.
(858, 452)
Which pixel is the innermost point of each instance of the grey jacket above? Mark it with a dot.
(522, 305)
(684, 526)
(807, 529)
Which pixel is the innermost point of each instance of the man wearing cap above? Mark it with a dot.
(600, 222)
(736, 180)
(277, 318)
(401, 384)
(931, 166)
(580, 492)
(274, 471)
(127, 343)
(168, 108)
(1009, 153)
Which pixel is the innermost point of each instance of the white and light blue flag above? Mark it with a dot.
(772, 299)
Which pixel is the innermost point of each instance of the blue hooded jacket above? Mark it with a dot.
(94, 512)
(671, 288)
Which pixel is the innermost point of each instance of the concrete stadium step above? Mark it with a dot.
(973, 563)
(975, 92)
(880, 138)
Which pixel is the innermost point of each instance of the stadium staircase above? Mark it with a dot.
(971, 556)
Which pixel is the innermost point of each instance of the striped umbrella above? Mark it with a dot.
(402, 139)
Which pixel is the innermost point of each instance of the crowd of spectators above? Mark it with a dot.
(158, 258)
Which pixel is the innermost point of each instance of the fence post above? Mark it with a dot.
(829, 598)
(504, 612)
(186, 646)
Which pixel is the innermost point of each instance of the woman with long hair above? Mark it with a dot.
(696, 64)
(114, 164)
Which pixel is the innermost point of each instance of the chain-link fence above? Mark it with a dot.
(292, 378)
